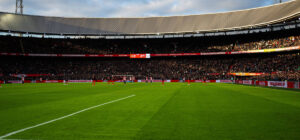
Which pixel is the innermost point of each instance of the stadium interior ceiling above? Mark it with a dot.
(287, 25)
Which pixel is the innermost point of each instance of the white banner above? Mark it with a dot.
(282, 84)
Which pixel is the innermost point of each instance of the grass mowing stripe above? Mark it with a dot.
(21, 130)
(283, 96)
(173, 111)
(158, 111)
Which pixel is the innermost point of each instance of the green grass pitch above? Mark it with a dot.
(174, 111)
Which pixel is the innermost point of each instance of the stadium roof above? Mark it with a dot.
(242, 19)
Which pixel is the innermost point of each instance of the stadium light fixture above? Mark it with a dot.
(19, 7)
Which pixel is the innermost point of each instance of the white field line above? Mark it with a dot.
(15, 139)
(12, 139)
(44, 123)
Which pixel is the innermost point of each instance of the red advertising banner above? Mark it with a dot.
(279, 84)
(155, 55)
(291, 84)
(224, 81)
(247, 82)
(80, 81)
(28, 75)
(261, 83)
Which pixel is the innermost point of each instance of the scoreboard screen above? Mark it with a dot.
(139, 56)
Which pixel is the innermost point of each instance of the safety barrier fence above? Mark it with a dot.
(280, 84)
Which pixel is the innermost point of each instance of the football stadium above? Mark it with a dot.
(230, 75)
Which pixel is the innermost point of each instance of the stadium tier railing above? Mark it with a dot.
(294, 48)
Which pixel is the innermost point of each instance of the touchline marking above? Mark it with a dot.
(24, 129)
(15, 139)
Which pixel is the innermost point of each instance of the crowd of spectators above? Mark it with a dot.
(166, 45)
(275, 66)
(278, 66)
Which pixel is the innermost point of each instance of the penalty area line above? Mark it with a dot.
(60, 118)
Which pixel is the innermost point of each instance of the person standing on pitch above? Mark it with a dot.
(23, 79)
(94, 80)
(130, 79)
(124, 80)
